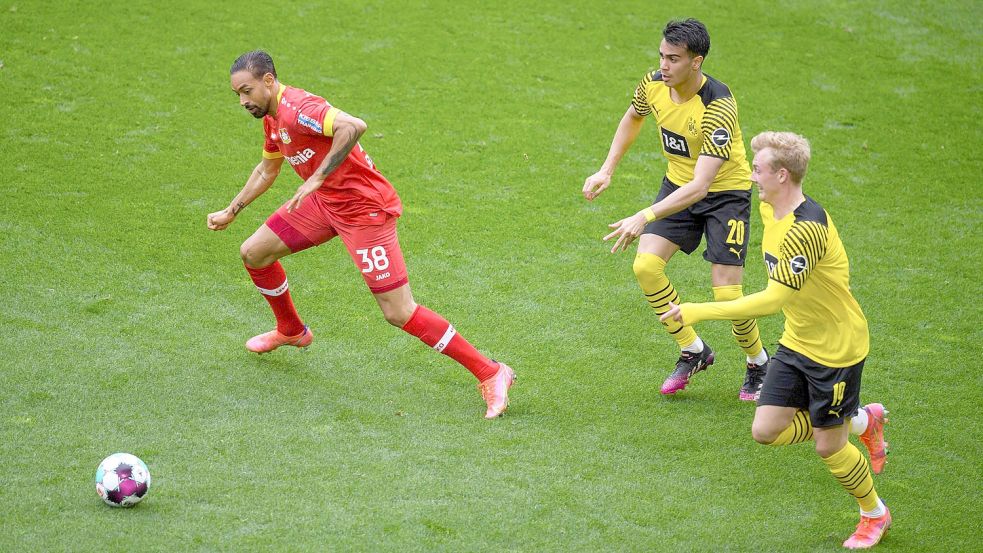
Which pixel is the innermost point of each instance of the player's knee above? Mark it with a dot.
(397, 315)
(246, 252)
(763, 433)
(826, 448)
(253, 256)
(727, 293)
(648, 267)
(393, 318)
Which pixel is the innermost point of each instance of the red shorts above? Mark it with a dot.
(374, 248)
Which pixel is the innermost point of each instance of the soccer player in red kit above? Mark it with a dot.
(343, 195)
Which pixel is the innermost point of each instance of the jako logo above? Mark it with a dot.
(301, 157)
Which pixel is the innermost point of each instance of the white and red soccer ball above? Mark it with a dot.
(122, 480)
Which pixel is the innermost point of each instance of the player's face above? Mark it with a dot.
(676, 64)
(768, 179)
(254, 94)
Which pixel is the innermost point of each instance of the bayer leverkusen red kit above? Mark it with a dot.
(356, 202)
(301, 133)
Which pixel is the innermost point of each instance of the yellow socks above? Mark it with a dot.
(799, 431)
(849, 466)
(650, 272)
(746, 330)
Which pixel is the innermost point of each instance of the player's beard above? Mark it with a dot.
(256, 111)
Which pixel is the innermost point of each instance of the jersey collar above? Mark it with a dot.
(279, 94)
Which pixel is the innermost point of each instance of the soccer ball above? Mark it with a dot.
(122, 480)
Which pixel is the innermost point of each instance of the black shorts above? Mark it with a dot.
(793, 380)
(724, 217)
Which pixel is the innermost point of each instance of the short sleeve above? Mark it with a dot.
(270, 149)
(316, 118)
(640, 100)
(719, 127)
(801, 250)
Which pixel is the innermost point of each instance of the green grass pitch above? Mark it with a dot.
(122, 318)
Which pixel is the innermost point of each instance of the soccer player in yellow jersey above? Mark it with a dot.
(812, 388)
(706, 192)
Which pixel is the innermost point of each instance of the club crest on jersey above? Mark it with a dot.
(310, 123)
(720, 137)
(691, 126)
(284, 136)
(301, 157)
(798, 264)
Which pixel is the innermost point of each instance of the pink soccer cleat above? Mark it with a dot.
(495, 391)
(269, 341)
(754, 377)
(869, 531)
(873, 437)
(687, 365)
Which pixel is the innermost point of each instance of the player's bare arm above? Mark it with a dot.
(628, 229)
(695, 190)
(624, 137)
(258, 182)
(346, 131)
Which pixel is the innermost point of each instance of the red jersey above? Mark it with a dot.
(301, 133)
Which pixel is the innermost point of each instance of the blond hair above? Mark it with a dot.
(789, 151)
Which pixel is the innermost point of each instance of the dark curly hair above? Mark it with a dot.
(689, 33)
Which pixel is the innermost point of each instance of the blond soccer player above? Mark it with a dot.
(812, 388)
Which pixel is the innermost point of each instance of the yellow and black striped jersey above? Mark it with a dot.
(803, 251)
(705, 125)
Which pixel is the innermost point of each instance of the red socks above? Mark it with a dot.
(272, 283)
(434, 331)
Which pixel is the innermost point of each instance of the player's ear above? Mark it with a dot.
(268, 79)
(697, 62)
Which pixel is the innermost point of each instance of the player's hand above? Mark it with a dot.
(627, 230)
(220, 219)
(595, 184)
(674, 313)
(305, 190)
